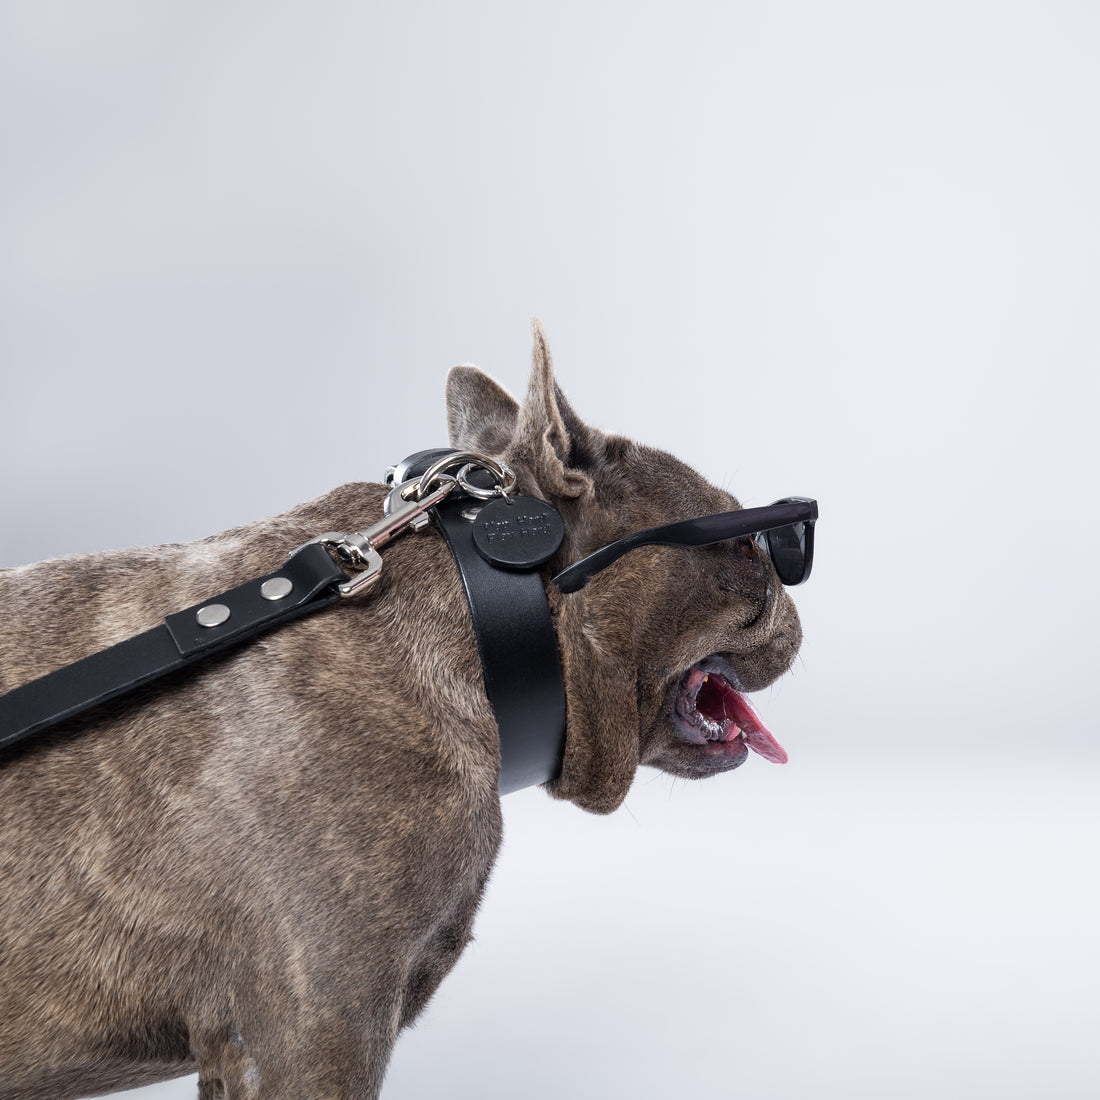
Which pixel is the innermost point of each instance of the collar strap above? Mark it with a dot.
(515, 641)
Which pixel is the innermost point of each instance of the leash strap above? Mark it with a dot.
(305, 583)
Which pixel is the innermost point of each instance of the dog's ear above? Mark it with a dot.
(601, 749)
(552, 440)
(481, 416)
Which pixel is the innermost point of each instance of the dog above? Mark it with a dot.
(261, 868)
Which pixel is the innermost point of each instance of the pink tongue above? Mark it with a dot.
(762, 742)
(756, 735)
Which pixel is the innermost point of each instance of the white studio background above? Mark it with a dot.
(846, 250)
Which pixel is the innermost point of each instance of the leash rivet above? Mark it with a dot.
(213, 614)
(277, 588)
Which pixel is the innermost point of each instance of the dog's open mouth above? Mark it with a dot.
(712, 714)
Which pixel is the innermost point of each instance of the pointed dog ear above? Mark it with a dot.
(481, 416)
(552, 439)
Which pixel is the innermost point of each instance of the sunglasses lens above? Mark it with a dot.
(787, 548)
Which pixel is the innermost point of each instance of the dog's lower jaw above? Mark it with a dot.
(687, 761)
(670, 750)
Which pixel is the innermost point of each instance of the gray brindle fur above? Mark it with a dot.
(261, 870)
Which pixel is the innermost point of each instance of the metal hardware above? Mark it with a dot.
(358, 550)
(402, 512)
(328, 539)
(505, 476)
(276, 588)
(354, 549)
(213, 614)
(407, 505)
(401, 495)
(506, 480)
(370, 573)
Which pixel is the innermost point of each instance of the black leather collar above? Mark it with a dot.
(515, 641)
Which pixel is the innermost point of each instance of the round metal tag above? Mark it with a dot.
(518, 532)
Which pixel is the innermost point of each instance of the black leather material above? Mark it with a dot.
(519, 654)
(511, 618)
(515, 639)
(178, 641)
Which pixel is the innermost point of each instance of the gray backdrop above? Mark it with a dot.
(849, 250)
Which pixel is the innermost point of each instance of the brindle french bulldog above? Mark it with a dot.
(261, 870)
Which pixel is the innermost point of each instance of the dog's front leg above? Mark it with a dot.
(287, 1048)
(313, 1001)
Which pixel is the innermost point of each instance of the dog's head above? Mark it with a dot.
(656, 649)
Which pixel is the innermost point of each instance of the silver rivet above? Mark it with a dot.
(277, 588)
(213, 614)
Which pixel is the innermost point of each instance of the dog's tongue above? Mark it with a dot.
(756, 735)
(760, 740)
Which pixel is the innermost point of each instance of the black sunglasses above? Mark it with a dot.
(784, 529)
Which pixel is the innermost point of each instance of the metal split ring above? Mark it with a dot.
(505, 485)
(469, 460)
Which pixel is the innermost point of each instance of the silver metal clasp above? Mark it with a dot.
(407, 505)
(358, 551)
(370, 568)
(466, 462)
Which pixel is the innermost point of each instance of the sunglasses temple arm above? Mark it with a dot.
(576, 576)
(705, 531)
